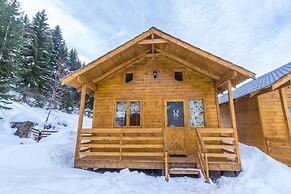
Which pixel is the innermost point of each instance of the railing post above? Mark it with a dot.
(233, 119)
(80, 123)
(166, 155)
(166, 166)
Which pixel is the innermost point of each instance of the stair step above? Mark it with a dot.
(188, 171)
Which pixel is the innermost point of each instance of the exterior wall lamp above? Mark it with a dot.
(155, 74)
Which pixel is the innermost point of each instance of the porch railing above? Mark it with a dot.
(122, 142)
(216, 145)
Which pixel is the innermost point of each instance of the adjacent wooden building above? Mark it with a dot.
(156, 107)
(263, 109)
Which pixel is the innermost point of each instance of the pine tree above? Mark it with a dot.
(73, 60)
(39, 76)
(59, 54)
(70, 96)
(25, 67)
(34, 59)
(10, 40)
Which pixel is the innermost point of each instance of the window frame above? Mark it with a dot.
(183, 75)
(114, 113)
(128, 113)
(124, 77)
(289, 112)
(204, 116)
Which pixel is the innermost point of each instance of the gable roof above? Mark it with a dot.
(260, 83)
(156, 41)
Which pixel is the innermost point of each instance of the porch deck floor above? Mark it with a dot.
(135, 162)
(144, 162)
(115, 162)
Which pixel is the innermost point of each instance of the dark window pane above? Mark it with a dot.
(175, 113)
(128, 77)
(134, 113)
(120, 114)
(179, 75)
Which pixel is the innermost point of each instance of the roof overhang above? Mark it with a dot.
(280, 83)
(155, 43)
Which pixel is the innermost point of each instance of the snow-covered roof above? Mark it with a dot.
(261, 82)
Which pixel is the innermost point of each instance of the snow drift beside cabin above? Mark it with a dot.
(46, 167)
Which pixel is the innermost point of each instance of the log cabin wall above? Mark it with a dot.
(262, 122)
(275, 126)
(248, 121)
(224, 115)
(152, 93)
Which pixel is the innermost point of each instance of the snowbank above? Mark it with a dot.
(56, 150)
(46, 167)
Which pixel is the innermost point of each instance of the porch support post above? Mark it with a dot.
(232, 118)
(80, 123)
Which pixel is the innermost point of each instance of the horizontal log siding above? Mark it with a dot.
(248, 121)
(152, 92)
(275, 125)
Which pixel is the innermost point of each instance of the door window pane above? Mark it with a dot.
(175, 113)
(120, 114)
(196, 109)
(135, 113)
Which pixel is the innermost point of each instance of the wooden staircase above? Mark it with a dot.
(217, 150)
(183, 166)
(185, 171)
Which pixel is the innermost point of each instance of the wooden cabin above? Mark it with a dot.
(156, 107)
(263, 110)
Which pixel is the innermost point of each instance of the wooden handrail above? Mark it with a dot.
(200, 140)
(202, 156)
(121, 130)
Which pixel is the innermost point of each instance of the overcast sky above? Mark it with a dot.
(254, 34)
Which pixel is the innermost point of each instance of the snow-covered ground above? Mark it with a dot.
(46, 167)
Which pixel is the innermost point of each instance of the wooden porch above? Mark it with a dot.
(146, 148)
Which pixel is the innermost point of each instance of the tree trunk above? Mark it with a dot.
(5, 40)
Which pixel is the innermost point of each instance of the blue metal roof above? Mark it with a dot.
(259, 83)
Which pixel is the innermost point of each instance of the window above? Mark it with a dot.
(196, 109)
(125, 118)
(120, 114)
(128, 77)
(175, 114)
(289, 110)
(134, 119)
(179, 75)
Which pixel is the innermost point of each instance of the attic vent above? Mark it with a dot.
(179, 75)
(128, 77)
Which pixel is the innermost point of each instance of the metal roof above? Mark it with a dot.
(260, 83)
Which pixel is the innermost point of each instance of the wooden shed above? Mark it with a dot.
(154, 97)
(263, 110)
